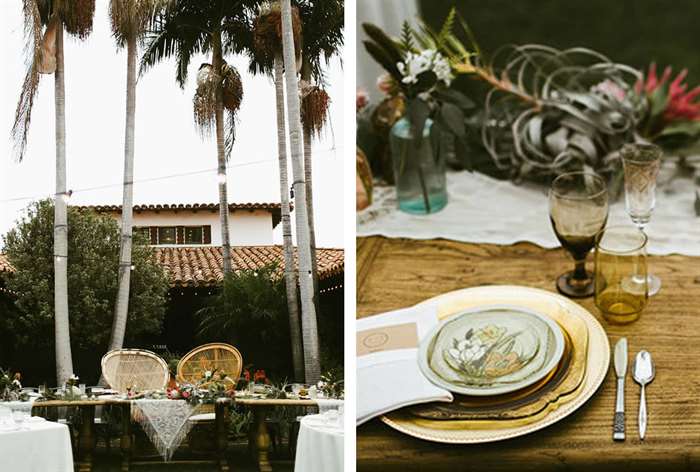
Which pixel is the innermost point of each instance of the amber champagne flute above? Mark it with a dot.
(620, 257)
(641, 164)
(578, 210)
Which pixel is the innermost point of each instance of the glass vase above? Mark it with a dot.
(419, 173)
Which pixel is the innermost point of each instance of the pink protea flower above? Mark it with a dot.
(680, 105)
(361, 101)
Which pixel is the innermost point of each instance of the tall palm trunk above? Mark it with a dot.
(290, 277)
(121, 307)
(64, 358)
(312, 361)
(308, 176)
(217, 62)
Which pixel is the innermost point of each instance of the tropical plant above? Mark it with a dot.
(250, 312)
(309, 323)
(184, 28)
(322, 24)
(548, 110)
(44, 23)
(129, 19)
(92, 286)
(266, 50)
(673, 112)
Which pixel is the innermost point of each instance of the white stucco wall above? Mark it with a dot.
(246, 228)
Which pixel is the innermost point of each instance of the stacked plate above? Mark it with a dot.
(515, 358)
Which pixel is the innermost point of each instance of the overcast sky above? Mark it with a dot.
(167, 142)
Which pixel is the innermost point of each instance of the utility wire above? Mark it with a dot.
(163, 177)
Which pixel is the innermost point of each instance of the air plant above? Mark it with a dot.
(314, 107)
(204, 100)
(548, 110)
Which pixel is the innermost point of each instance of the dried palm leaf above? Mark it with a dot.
(267, 33)
(314, 107)
(232, 88)
(46, 59)
(204, 101)
(77, 16)
(131, 17)
(30, 86)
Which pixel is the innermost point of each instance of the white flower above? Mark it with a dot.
(207, 374)
(429, 59)
(73, 377)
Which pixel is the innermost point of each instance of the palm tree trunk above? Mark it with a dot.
(308, 176)
(217, 62)
(121, 307)
(290, 276)
(64, 358)
(312, 361)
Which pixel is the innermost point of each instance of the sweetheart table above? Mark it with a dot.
(396, 273)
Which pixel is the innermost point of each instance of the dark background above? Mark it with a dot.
(634, 32)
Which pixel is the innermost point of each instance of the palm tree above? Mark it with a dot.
(322, 23)
(47, 57)
(314, 114)
(312, 362)
(266, 55)
(188, 27)
(129, 19)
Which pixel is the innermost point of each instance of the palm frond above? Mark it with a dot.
(129, 17)
(30, 85)
(77, 16)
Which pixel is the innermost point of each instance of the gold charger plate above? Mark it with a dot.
(470, 432)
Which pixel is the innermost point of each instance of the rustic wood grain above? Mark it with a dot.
(395, 273)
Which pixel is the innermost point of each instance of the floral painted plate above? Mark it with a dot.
(491, 350)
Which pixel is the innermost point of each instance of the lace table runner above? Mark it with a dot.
(486, 210)
(165, 422)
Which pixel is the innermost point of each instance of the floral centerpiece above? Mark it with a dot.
(332, 384)
(424, 113)
(213, 384)
(11, 386)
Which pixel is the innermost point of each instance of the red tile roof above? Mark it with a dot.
(274, 208)
(5, 264)
(203, 265)
(184, 206)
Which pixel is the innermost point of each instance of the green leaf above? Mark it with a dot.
(454, 96)
(380, 55)
(453, 119)
(690, 128)
(418, 112)
(384, 41)
(657, 102)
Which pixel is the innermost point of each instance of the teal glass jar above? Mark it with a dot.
(421, 186)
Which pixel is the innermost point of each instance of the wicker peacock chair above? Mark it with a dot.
(209, 357)
(134, 368)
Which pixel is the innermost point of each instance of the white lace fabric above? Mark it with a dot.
(481, 209)
(165, 422)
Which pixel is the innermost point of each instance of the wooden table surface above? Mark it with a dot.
(395, 273)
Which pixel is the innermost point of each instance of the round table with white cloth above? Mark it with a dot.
(319, 446)
(40, 446)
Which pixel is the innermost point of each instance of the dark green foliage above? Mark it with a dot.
(250, 312)
(93, 249)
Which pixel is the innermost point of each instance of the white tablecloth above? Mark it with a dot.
(45, 447)
(19, 406)
(486, 210)
(319, 446)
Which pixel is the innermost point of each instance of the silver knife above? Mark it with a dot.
(620, 371)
